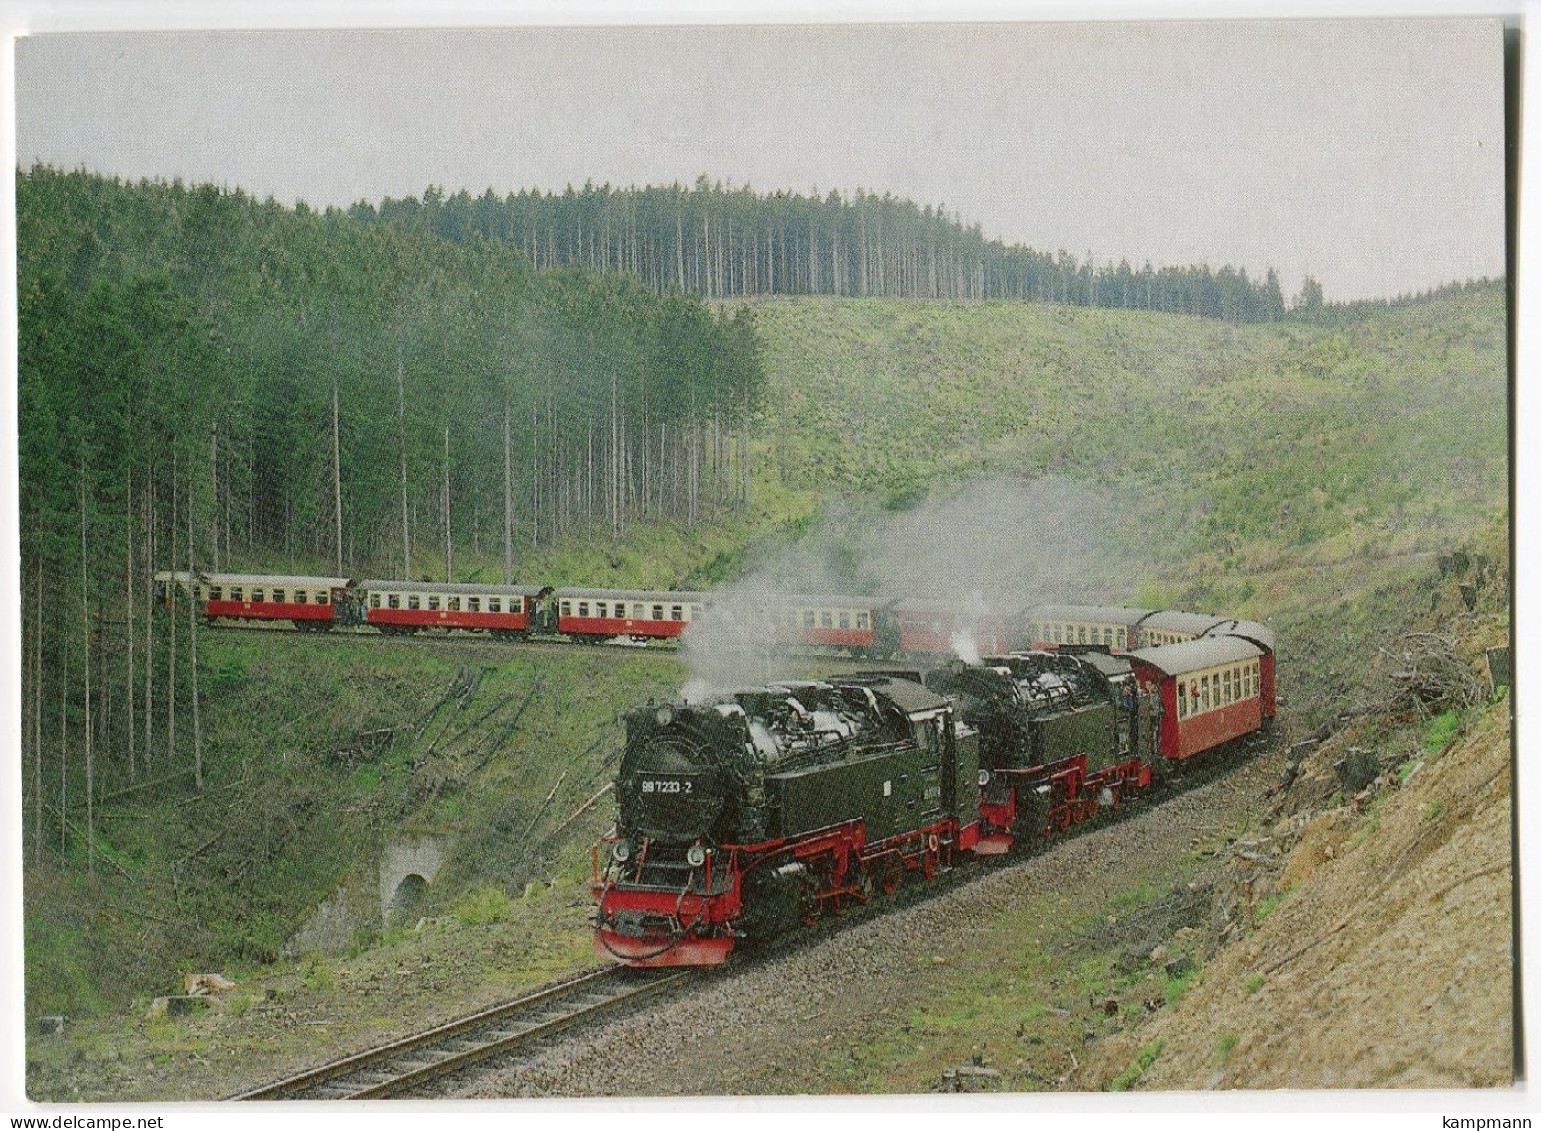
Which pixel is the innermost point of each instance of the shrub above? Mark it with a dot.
(1224, 1045)
(1127, 1078)
(485, 905)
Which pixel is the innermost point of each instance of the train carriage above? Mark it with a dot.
(1263, 637)
(644, 615)
(941, 628)
(851, 623)
(1209, 689)
(309, 603)
(1172, 627)
(1113, 628)
(405, 607)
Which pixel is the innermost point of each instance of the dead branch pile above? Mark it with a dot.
(1426, 674)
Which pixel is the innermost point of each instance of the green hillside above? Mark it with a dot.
(1253, 445)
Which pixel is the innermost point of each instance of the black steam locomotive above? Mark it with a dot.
(774, 805)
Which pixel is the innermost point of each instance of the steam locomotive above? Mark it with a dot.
(744, 816)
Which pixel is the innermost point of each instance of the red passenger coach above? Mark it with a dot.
(1114, 628)
(307, 602)
(405, 607)
(641, 614)
(1210, 691)
(940, 628)
(826, 622)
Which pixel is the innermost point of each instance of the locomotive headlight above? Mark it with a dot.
(664, 715)
(984, 778)
(696, 856)
(621, 852)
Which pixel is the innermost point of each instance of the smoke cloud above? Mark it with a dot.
(987, 547)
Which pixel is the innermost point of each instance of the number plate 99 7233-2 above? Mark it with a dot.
(665, 785)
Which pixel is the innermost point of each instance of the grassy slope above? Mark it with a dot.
(1260, 457)
(1258, 439)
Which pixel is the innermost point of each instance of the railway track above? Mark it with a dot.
(521, 1024)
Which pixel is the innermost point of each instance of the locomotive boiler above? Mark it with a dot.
(767, 808)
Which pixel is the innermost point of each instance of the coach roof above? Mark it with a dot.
(1196, 655)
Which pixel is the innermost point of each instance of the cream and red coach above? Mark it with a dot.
(1114, 628)
(312, 603)
(642, 614)
(1210, 690)
(942, 628)
(848, 623)
(405, 607)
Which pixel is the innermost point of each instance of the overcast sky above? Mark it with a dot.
(1368, 153)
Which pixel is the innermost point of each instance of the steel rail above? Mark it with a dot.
(410, 1061)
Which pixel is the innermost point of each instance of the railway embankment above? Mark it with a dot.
(1367, 937)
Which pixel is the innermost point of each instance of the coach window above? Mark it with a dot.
(845, 620)
(677, 613)
(256, 594)
(473, 604)
(494, 604)
(414, 601)
(278, 597)
(374, 600)
(863, 620)
(583, 608)
(826, 620)
(601, 608)
(454, 604)
(324, 597)
(1123, 638)
(393, 600)
(433, 602)
(567, 608)
(214, 593)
